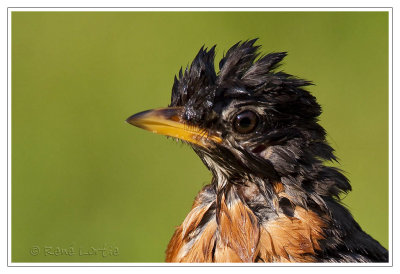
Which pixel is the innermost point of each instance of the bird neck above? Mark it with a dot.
(249, 218)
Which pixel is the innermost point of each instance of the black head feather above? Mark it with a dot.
(288, 145)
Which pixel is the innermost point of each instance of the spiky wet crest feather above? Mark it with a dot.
(272, 197)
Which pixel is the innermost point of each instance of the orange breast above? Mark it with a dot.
(239, 237)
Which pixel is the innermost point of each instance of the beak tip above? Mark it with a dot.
(140, 114)
(133, 120)
(129, 120)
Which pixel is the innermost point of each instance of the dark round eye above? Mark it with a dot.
(245, 122)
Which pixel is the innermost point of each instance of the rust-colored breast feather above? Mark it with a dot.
(239, 237)
(238, 233)
(191, 243)
(291, 239)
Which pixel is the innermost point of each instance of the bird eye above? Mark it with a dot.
(245, 122)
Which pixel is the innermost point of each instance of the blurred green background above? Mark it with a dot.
(83, 179)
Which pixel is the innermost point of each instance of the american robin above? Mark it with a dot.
(271, 197)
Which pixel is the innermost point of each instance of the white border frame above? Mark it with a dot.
(11, 9)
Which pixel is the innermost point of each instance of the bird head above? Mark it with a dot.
(247, 120)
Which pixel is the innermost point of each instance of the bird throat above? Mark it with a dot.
(247, 223)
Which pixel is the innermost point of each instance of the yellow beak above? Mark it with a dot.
(167, 121)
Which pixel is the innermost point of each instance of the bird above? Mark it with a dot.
(272, 196)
